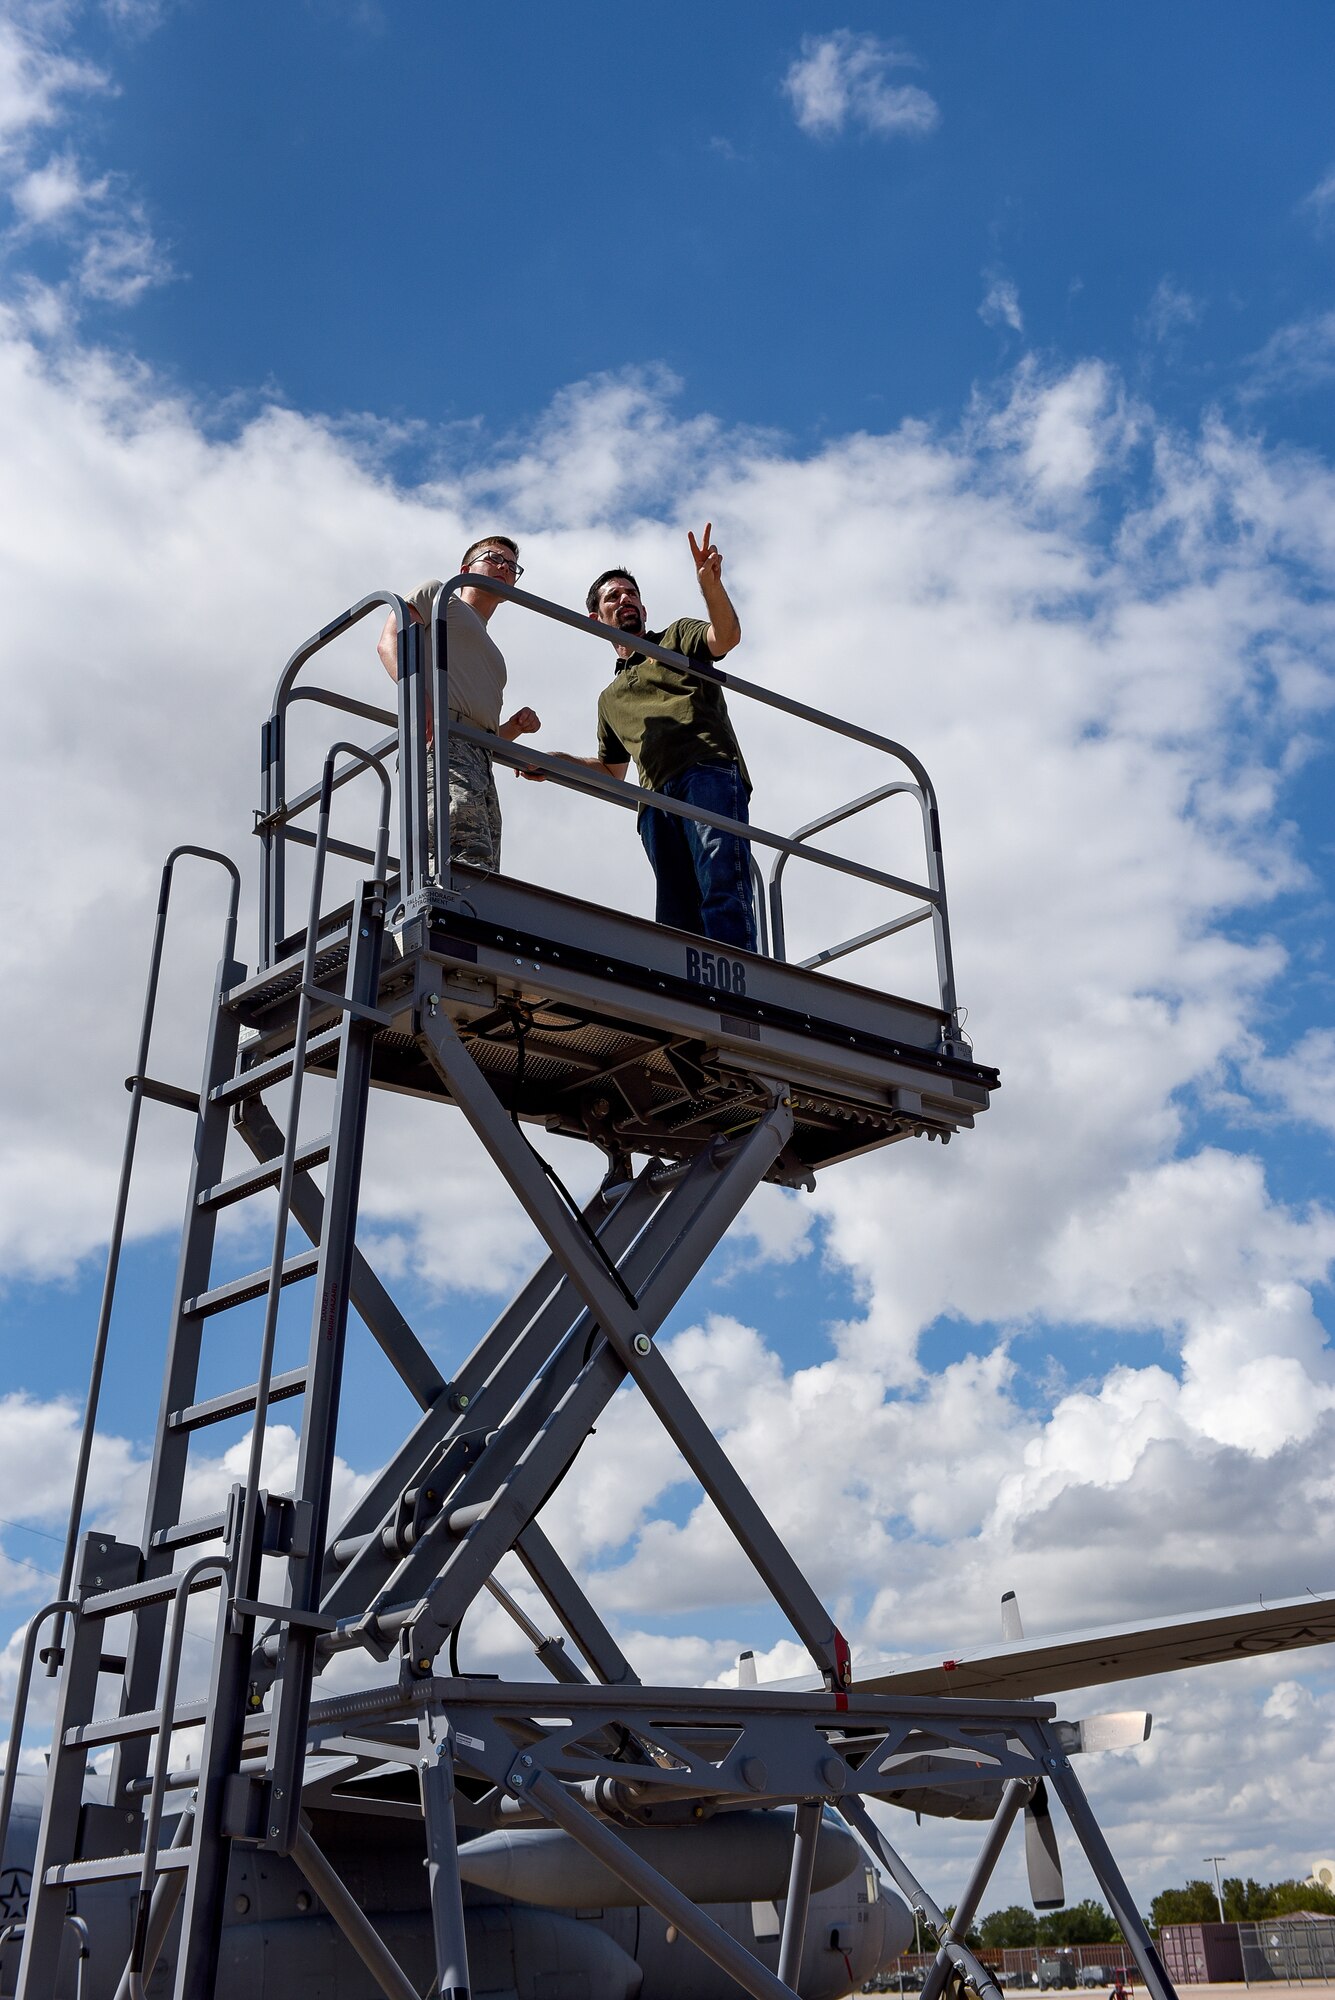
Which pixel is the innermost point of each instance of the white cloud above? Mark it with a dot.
(1001, 304)
(1110, 705)
(55, 189)
(35, 77)
(1302, 1078)
(1296, 358)
(843, 79)
(113, 256)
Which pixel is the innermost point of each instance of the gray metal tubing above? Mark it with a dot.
(834, 951)
(365, 1940)
(435, 1771)
(275, 756)
(578, 778)
(301, 836)
(57, 1608)
(273, 764)
(86, 1434)
(762, 912)
(293, 808)
(136, 1969)
(1013, 1798)
(835, 818)
(1109, 1876)
(803, 712)
(917, 1897)
(623, 1327)
(288, 1169)
(162, 1905)
(80, 1929)
(369, 711)
(653, 1888)
(806, 1832)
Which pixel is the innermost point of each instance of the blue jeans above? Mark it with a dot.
(703, 874)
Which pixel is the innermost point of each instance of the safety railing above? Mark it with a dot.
(423, 682)
(140, 1085)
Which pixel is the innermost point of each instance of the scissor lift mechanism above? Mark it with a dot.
(716, 1070)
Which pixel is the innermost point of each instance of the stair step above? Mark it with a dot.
(124, 1728)
(186, 1534)
(114, 1868)
(253, 1286)
(250, 1082)
(312, 1154)
(235, 1404)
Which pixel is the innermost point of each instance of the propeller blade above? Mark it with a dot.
(1046, 1888)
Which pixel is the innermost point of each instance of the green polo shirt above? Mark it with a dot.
(664, 719)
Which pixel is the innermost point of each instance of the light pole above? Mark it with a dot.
(1218, 1892)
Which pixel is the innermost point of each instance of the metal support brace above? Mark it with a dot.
(918, 1899)
(1109, 1877)
(1013, 1798)
(806, 1833)
(650, 1887)
(573, 1608)
(347, 1913)
(624, 1327)
(435, 1770)
(500, 1369)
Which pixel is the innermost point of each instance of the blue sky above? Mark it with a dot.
(997, 343)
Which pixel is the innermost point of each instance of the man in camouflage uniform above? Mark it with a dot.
(474, 687)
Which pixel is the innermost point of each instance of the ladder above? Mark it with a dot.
(141, 1583)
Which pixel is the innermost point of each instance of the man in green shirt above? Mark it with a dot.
(675, 726)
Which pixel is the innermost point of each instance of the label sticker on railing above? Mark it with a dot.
(711, 968)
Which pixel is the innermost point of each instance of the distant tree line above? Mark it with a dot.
(1089, 1923)
(1244, 1902)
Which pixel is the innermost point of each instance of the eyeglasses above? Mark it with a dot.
(499, 560)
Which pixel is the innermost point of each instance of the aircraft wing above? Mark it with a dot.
(1031, 1667)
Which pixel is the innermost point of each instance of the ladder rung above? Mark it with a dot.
(240, 1186)
(185, 1534)
(218, 1408)
(124, 1728)
(115, 1868)
(165, 1093)
(253, 1286)
(135, 1596)
(251, 1082)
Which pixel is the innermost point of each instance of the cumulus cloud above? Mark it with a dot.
(843, 80)
(1302, 1078)
(1109, 696)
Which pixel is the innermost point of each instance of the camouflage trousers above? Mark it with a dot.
(475, 810)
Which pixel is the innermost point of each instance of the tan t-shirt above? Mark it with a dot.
(474, 663)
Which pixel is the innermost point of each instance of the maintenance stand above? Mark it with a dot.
(715, 1070)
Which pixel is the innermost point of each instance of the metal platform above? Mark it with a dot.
(698, 1072)
(606, 1027)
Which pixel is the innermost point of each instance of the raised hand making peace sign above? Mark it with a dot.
(708, 562)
